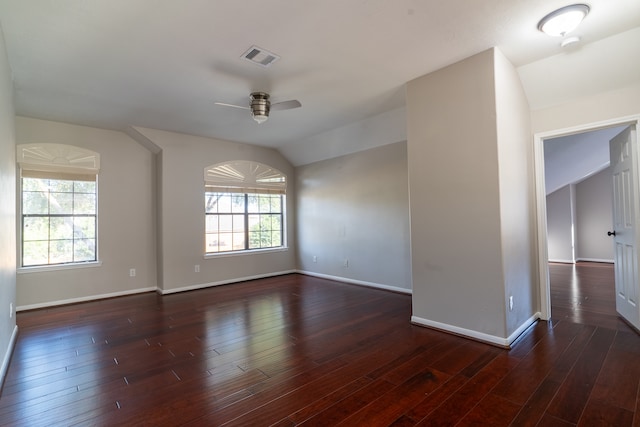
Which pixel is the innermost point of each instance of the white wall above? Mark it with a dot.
(181, 162)
(458, 121)
(356, 208)
(8, 329)
(517, 198)
(560, 220)
(593, 109)
(594, 217)
(578, 218)
(126, 219)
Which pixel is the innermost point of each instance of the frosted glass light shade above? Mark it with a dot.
(564, 20)
(260, 118)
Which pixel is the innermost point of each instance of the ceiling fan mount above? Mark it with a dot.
(261, 106)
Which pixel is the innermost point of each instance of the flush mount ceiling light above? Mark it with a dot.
(564, 20)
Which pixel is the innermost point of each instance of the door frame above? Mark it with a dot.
(541, 197)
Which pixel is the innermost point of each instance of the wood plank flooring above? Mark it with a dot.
(296, 350)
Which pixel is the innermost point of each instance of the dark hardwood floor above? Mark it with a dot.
(297, 350)
(585, 293)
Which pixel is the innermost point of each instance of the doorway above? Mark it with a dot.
(579, 196)
(541, 207)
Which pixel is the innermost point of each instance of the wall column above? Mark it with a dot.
(470, 189)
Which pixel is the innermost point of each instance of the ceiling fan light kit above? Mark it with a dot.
(260, 106)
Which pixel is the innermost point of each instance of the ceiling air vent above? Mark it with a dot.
(260, 57)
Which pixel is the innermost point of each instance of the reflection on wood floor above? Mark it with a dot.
(585, 293)
(296, 350)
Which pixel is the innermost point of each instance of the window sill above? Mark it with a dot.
(72, 266)
(247, 252)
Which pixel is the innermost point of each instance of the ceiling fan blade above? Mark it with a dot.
(286, 105)
(232, 105)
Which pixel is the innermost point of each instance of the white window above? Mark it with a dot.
(244, 207)
(58, 204)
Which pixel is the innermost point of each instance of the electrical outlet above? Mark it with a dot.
(315, 258)
(196, 268)
(132, 272)
(510, 302)
(346, 263)
(10, 310)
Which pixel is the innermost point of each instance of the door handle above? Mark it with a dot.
(611, 233)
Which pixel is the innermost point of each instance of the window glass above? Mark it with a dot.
(59, 221)
(242, 221)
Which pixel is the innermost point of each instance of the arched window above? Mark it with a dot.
(58, 199)
(244, 207)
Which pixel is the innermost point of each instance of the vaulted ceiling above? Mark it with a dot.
(571, 159)
(163, 64)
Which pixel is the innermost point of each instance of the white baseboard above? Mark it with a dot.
(566, 261)
(7, 357)
(84, 299)
(356, 282)
(150, 289)
(519, 331)
(208, 285)
(475, 335)
(222, 282)
(608, 261)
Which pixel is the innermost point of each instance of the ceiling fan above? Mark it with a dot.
(260, 106)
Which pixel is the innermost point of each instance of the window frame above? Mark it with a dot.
(245, 177)
(49, 215)
(53, 161)
(246, 214)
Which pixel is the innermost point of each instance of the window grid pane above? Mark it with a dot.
(59, 221)
(61, 203)
(236, 222)
(224, 203)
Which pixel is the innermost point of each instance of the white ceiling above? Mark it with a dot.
(573, 158)
(163, 63)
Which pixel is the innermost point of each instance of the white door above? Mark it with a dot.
(624, 168)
